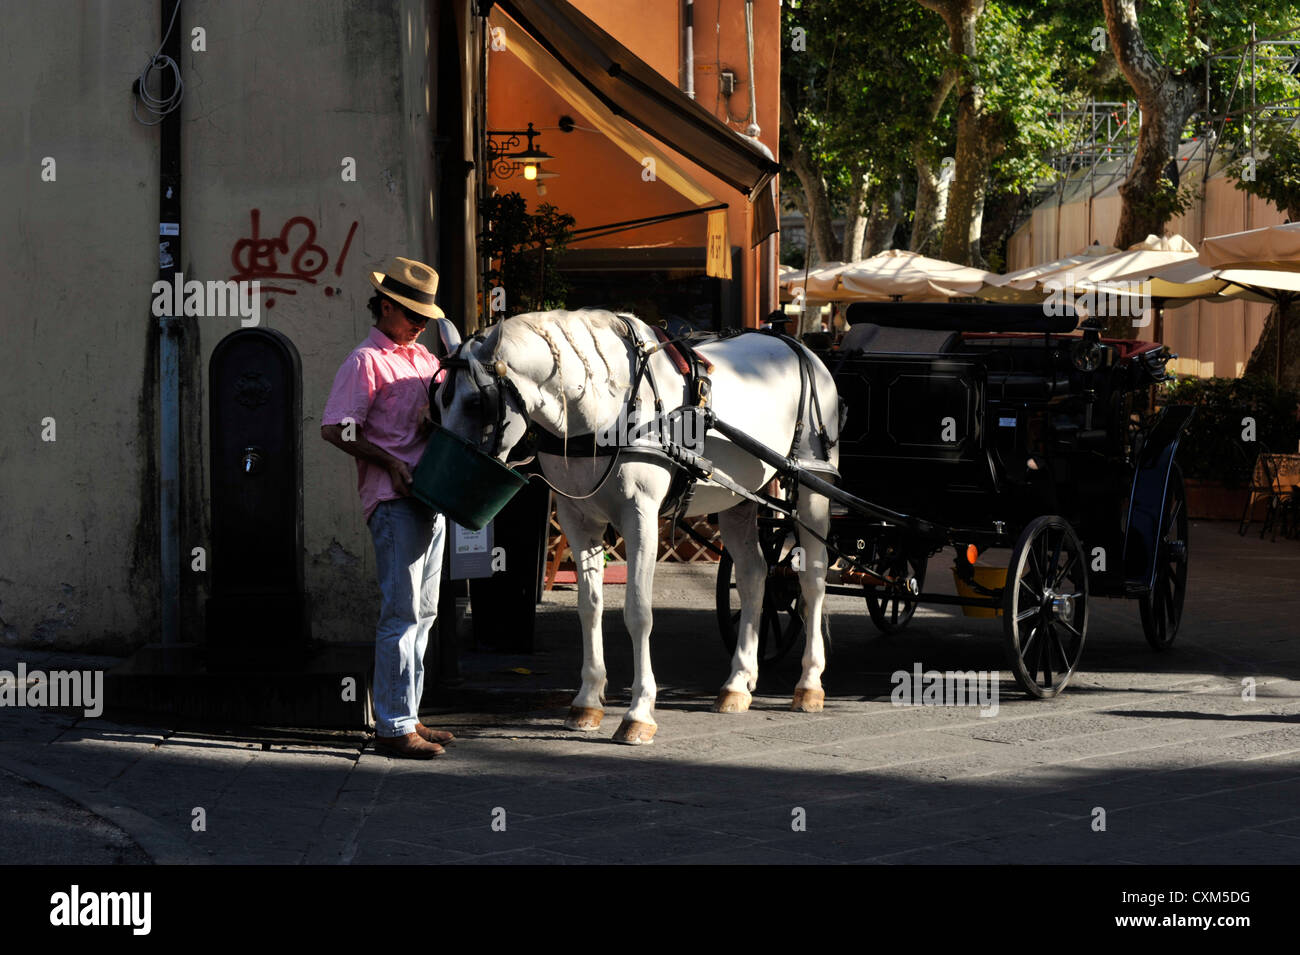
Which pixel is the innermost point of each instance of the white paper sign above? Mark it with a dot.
(471, 542)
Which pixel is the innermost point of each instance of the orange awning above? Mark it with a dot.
(632, 90)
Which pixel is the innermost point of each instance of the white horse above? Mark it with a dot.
(572, 371)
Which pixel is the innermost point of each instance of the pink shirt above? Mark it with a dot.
(382, 386)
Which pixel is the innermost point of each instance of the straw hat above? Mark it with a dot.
(409, 283)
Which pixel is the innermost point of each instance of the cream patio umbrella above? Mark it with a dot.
(1021, 286)
(1173, 285)
(1151, 253)
(785, 275)
(1084, 284)
(1264, 261)
(902, 276)
(819, 284)
(803, 288)
(1272, 248)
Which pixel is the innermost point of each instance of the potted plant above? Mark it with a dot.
(1234, 418)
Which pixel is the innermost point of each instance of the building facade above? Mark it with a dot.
(316, 140)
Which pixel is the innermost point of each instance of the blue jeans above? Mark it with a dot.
(408, 539)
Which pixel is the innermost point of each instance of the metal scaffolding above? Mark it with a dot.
(1101, 135)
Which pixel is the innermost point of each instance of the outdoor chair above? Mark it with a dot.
(1264, 486)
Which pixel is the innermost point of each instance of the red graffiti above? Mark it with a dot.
(256, 258)
(347, 244)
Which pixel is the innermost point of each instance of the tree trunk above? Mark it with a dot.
(925, 216)
(821, 238)
(1263, 360)
(961, 231)
(1166, 101)
(930, 208)
(886, 209)
(861, 201)
(964, 224)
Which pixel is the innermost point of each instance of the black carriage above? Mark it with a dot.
(978, 427)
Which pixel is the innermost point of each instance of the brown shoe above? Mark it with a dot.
(409, 746)
(433, 736)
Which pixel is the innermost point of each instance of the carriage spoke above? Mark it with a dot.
(1065, 657)
(1024, 649)
(1032, 562)
(1069, 565)
(1056, 559)
(1076, 634)
(1032, 592)
(1045, 657)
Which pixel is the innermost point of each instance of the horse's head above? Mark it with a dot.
(479, 402)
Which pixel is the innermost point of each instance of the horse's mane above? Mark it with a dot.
(554, 326)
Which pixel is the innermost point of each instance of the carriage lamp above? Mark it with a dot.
(544, 174)
(504, 163)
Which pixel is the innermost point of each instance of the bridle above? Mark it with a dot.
(494, 388)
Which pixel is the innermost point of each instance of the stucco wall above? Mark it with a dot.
(283, 92)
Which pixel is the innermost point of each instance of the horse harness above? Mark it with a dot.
(693, 417)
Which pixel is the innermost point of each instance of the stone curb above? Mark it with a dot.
(161, 845)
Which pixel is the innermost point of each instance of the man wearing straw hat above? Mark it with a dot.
(378, 412)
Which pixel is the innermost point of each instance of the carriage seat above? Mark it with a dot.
(875, 339)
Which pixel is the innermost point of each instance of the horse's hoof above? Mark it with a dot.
(634, 733)
(808, 699)
(584, 718)
(731, 701)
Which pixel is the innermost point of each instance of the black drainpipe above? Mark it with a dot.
(169, 340)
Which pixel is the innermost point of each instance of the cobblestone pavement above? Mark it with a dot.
(1185, 769)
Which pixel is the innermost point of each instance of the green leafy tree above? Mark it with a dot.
(523, 249)
(1274, 176)
(1162, 51)
(1004, 129)
(878, 97)
(857, 83)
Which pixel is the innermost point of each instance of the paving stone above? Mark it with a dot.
(1186, 770)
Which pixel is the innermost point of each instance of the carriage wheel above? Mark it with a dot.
(892, 610)
(781, 623)
(1162, 608)
(1045, 606)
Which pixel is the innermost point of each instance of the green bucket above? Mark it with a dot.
(455, 477)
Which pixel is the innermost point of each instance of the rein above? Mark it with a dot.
(496, 386)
